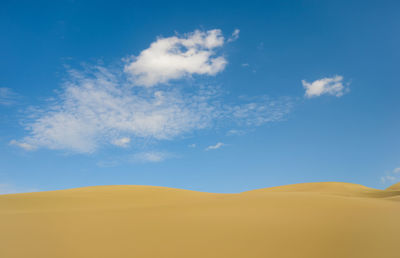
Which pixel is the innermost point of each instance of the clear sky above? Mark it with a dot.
(212, 96)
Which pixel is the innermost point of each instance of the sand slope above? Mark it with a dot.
(305, 220)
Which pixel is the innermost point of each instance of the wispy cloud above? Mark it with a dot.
(216, 146)
(260, 110)
(152, 157)
(7, 96)
(325, 86)
(177, 57)
(234, 132)
(122, 142)
(234, 36)
(148, 156)
(23, 145)
(392, 176)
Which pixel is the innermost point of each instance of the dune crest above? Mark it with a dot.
(395, 187)
(332, 188)
(327, 220)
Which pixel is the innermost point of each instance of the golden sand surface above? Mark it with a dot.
(320, 220)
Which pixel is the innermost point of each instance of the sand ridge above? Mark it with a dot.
(303, 220)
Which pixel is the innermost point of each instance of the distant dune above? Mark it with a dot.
(320, 220)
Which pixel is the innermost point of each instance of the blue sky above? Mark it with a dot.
(205, 96)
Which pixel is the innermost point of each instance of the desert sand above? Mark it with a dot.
(304, 220)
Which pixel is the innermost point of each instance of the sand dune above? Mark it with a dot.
(304, 220)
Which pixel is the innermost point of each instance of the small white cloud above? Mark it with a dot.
(122, 142)
(234, 132)
(152, 157)
(214, 147)
(177, 57)
(193, 145)
(235, 35)
(245, 65)
(23, 145)
(392, 176)
(7, 96)
(329, 86)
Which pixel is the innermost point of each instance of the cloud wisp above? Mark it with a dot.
(140, 157)
(391, 177)
(215, 146)
(150, 157)
(326, 86)
(122, 142)
(7, 96)
(234, 36)
(23, 145)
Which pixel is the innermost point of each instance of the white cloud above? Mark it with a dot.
(23, 145)
(177, 57)
(150, 157)
(330, 86)
(234, 132)
(122, 142)
(392, 176)
(235, 35)
(7, 96)
(193, 145)
(216, 146)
